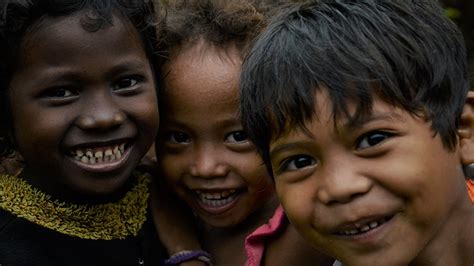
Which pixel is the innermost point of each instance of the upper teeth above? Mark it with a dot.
(363, 228)
(99, 154)
(215, 195)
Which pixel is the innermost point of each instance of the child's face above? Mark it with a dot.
(202, 149)
(379, 193)
(84, 104)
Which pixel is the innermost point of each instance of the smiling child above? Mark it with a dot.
(202, 150)
(362, 111)
(79, 105)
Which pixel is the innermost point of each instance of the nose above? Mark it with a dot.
(101, 113)
(342, 183)
(208, 162)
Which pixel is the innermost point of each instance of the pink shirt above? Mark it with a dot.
(255, 242)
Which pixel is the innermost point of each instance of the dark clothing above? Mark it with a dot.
(26, 243)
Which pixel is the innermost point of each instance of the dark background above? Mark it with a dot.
(462, 13)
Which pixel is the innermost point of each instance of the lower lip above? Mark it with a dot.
(104, 167)
(216, 210)
(371, 237)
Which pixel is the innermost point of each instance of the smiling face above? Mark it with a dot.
(382, 192)
(202, 149)
(83, 104)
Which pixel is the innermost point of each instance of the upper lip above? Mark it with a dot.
(98, 143)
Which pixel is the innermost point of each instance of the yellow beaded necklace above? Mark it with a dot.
(102, 221)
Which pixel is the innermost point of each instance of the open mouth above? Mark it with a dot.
(362, 228)
(217, 199)
(99, 154)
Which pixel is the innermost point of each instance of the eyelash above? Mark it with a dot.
(237, 133)
(290, 164)
(134, 79)
(365, 139)
(171, 138)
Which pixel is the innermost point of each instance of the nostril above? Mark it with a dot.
(100, 120)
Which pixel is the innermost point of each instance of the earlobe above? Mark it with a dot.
(466, 131)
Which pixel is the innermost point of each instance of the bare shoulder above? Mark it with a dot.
(289, 248)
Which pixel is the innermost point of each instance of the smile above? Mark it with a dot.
(98, 155)
(216, 199)
(361, 228)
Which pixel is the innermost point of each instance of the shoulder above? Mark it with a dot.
(5, 219)
(289, 248)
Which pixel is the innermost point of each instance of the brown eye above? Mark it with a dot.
(126, 83)
(372, 139)
(178, 137)
(237, 136)
(297, 162)
(60, 93)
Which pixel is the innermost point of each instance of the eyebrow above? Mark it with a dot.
(287, 146)
(128, 65)
(61, 75)
(353, 124)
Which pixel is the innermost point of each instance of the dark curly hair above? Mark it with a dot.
(17, 17)
(218, 22)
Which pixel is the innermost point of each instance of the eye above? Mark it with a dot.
(177, 137)
(60, 93)
(297, 162)
(237, 136)
(372, 139)
(127, 83)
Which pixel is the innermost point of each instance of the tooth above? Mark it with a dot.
(108, 152)
(116, 148)
(353, 231)
(373, 224)
(99, 154)
(84, 159)
(79, 153)
(89, 154)
(224, 194)
(112, 157)
(122, 147)
(92, 160)
(118, 155)
(365, 228)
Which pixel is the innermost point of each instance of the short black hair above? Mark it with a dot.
(404, 51)
(18, 16)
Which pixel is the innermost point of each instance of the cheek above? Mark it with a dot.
(170, 167)
(297, 203)
(40, 130)
(145, 111)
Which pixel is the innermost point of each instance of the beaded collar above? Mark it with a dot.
(116, 220)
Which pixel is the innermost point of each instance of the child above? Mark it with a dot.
(79, 104)
(203, 151)
(357, 107)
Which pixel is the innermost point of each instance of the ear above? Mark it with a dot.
(466, 131)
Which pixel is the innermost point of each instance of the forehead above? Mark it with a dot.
(202, 75)
(62, 39)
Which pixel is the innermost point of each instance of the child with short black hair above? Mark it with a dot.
(202, 150)
(361, 111)
(78, 102)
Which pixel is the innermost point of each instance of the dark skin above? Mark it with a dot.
(202, 151)
(78, 92)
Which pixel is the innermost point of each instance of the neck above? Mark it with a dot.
(227, 244)
(63, 193)
(454, 242)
